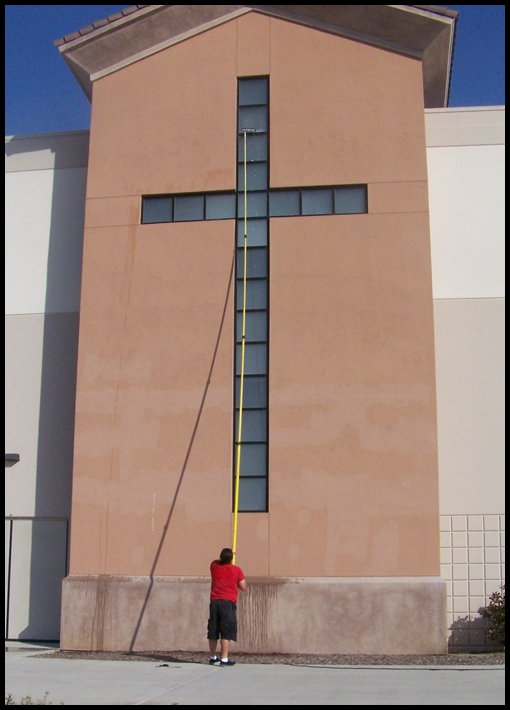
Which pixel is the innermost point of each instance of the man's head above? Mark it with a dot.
(226, 556)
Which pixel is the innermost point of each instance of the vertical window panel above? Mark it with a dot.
(256, 204)
(256, 147)
(157, 209)
(253, 91)
(351, 200)
(253, 460)
(188, 208)
(220, 206)
(256, 326)
(256, 230)
(253, 494)
(317, 202)
(256, 294)
(253, 117)
(256, 176)
(256, 263)
(284, 203)
(255, 359)
(254, 391)
(254, 425)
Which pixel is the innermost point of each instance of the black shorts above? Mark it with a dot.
(222, 620)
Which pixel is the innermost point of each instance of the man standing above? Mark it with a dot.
(226, 580)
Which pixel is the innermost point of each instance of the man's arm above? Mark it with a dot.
(242, 585)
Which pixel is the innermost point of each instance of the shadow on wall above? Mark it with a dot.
(471, 636)
(186, 458)
(55, 439)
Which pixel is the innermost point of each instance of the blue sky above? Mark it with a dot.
(41, 94)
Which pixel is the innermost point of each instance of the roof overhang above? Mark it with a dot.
(425, 32)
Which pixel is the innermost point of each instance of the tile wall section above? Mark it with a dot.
(473, 565)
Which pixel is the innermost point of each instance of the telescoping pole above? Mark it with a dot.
(243, 342)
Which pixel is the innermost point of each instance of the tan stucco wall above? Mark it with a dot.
(276, 615)
(353, 460)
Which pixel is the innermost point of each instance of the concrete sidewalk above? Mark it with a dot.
(94, 682)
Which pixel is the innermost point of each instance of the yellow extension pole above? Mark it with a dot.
(241, 384)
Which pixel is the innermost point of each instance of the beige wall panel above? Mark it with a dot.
(253, 45)
(154, 408)
(384, 615)
(113, 211)
(470, 363)
(384, 197)
(252, 553)
(353, 458)
(167, 123)
(342, 112)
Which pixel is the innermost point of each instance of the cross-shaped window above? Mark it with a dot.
(262, 203)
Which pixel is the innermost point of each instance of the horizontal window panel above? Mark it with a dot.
(255, 326)
(256, 232)
(351, 200)
(256, 176)
(253, 117)
(253, 459)
(252, 495)
(256, 147)
(220, 206)
(256, 263)
(157, 209)
(254, 391)
(256, 294)
(284, 203)
(255, 359)
(256, 204)
(188, 208)
(253, 91)
(254, 425)
(317, 202)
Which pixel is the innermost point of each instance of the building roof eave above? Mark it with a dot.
(422, 31)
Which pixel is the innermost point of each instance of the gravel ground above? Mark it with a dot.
(450, 659)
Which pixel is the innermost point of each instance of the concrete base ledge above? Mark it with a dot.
(363, 615)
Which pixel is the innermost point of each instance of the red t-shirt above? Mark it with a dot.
(224, 580)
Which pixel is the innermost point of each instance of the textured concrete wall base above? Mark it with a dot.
(276, 615)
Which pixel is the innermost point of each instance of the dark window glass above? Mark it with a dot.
(256, 230)
(157, 209)
(257, 204)
(351, 200)
(252, 494)
(256, 294)
(254, 425)
(189, 207)
(255, 359)
(256, 326)
(252, 91)
(220, 206)
(256, 147)
(256, 176)
(256, 262)
(253, 117)
(284, 203)
(253, 460)
(254, 392)
(317, 202)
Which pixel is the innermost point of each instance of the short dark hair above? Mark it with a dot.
(226, 556)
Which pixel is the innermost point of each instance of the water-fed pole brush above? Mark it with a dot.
(245, 131)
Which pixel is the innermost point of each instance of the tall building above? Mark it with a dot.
(310, 147)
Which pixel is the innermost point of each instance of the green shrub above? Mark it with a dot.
(27, 700)
(494, 612)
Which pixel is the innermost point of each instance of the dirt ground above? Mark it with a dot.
(450, 659)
